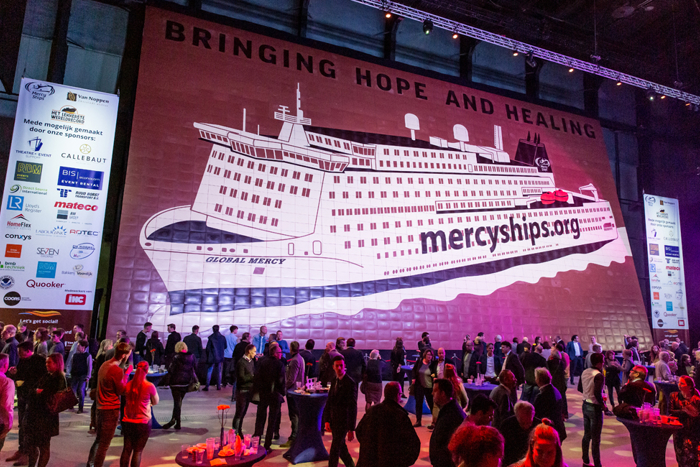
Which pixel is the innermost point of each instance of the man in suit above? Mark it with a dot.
(548, 403)
(531, 361)
(294, 375)
(449, 419)
(501, 395)
(386, 434)
(141, 338)
(173, 338)
(354, 361)
(637, 390)
(468, 360)
(342, 414)
(194, 346)
(575, 352)
(424, 343)
(516, 432)
(512, 362)
(438, 366)
(309, 360)
(269, 382)
(491, 364)
(497, 347)
(523, 347)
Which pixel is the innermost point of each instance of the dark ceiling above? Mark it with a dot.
(634, 37)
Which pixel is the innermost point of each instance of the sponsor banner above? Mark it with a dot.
(54, 198)
(306, 188)
(669, 307)
(61, 317)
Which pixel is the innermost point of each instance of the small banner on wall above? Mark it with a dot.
(54, 202)
(669, 310)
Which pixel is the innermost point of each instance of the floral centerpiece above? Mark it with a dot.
(223, 417)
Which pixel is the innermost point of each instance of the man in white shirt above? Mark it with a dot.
(439, 368)
(491, 364)
(593, 342)
(7, 399)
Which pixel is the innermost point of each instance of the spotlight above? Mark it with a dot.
(687, 104)
(427, 26)
(388, 15)
(515, 53)
(663, 96)
(619, 83)
(530, 60)
(455, 36)
(650, 94)
(571, 70)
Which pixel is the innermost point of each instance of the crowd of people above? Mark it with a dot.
(501, 428)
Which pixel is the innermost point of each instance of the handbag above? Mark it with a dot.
(62, 400)
(194, 383)
(412, 390)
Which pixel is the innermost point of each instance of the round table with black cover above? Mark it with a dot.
(308, 445)
(649, 441)
(473, 389)
(245, 461)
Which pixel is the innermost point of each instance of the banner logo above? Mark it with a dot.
(6, 282)
(39, 90)
(13, 251)
(76, 299)
(15, 203)
(19, 222)
(63, 193)
(28, 172)
(35, 144)
(80, 178)
(46, 270)
(71, 96)
(12, 298)
(82, 250)
(68, 114)
(672, 251)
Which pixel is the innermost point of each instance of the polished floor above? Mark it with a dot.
(71, 447)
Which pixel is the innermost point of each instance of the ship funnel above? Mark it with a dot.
(460, 133)
(498, 137)
(412, 123)
(300, 113)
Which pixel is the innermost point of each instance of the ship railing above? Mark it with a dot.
(292, 118)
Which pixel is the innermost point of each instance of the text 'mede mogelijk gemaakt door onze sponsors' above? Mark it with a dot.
(54, 196)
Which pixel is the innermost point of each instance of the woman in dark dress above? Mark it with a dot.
(42, 425)
(685, 404)
(181, 373)
(612, 376)
(398, 359)
(372, 382)
(423, 384)
(154, 350)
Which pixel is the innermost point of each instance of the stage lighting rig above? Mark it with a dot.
(427, 26)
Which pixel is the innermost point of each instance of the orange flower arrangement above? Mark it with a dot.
(223, 416)
(223, 407)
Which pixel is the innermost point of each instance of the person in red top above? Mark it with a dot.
(136, 424)
(111, 383)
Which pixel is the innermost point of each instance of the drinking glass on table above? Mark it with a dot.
(185, 453)
(254, 445)
(200, 456)
(247, 441)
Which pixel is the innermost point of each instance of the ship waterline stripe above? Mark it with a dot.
(223, 300)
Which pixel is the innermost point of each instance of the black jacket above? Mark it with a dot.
(140, 346)
(398, 358)
(269, 377)
(11, 350)
(531, 361)
(154, 351)
(342, 404)
(182, 369)
(215, 348)
(387, 437)
(245, 374)
(354, 363)
(512, 363)
(497, 363)
(637, 392)
(449, 418)
(516, 439)
(173, 338)
(194, 345)
(30, 370)
(548, 404)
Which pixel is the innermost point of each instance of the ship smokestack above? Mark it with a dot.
(412, 123)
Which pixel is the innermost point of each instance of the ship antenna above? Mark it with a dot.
(244, 120)
(300, 113)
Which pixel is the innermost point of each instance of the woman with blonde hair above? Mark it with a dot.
(544, 449)
(140, 395)
(105, 346)
(372, 382)
(182, 374)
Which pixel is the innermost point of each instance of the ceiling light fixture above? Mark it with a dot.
(388, 15)
(619, 83)
(511, 44)
(427, 26)
(571, 70)
(650, 94)
(515, 53)
(455, 36)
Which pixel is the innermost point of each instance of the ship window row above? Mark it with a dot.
(279, 154)
(252, 217)
(428, 194)
(328, 141)
(243, 195)
(388, 210)
(296, 175)
(375, 242)
(211, 136)
(293, 190)
(433, 154)
(467, 181)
